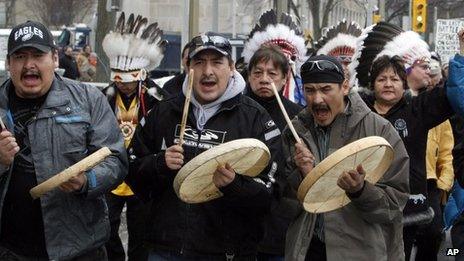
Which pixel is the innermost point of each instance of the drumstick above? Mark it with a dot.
(284, 112)
(186, 107)
(2, 124)
(74, 170)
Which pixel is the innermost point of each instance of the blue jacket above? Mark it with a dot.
(455, 206)
(455, 84)
(74, 121)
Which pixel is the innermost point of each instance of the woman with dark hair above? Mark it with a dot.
(412, 117)
(388, 78)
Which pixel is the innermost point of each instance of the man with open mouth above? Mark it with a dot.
(334, 117)
(51, 123)
(226, 228)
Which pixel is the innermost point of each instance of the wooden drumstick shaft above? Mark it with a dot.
(2, 124)
(186, 107)
(74, 170)
(284, 112)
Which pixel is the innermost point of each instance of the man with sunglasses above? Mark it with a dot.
(369, 228)
(226, 228)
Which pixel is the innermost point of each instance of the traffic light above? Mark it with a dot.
(419, 15)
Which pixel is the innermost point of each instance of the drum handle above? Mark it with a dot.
(284, 112)
(186, 107)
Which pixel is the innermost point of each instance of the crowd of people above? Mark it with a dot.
(354, 83)
(82, 67)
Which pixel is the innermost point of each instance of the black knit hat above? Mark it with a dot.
(322, 69)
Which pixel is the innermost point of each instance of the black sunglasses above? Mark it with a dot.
(212, 40)
(321, 65)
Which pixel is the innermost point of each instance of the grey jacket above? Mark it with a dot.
(74, 121)
(368, 228)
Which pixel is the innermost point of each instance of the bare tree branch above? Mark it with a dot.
(399, 11)
(318, 21)
(9, 12)
(55, 13)
(395, 9)
(295, 8)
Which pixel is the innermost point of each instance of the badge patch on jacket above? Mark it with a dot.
(204, 140)
(270, 124)
(401, 127)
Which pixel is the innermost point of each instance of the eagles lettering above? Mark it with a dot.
(28, 30)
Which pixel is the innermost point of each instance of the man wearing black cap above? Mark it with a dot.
(226, 228)
(368, 228)
(50, 124)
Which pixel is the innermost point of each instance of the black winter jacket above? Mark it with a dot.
(413, 117)
(69, 65)
(284, 209)
(174, 85)
(231, 224)
(457, 123)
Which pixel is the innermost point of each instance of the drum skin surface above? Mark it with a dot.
(194, 181)
(319, 191)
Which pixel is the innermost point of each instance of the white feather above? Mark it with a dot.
(110, 91)
(357, 54)
(128, 52)
(409, 46)
(274, 32)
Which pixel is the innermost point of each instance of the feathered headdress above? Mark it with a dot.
(282, 32)
(133, 47)
(339, 41)
(385, 39)
(285, 33)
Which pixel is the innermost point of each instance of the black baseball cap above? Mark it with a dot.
(30, 34)
(211, 41)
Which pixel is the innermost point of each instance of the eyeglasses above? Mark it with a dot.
(211, 40)
(321, 65)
